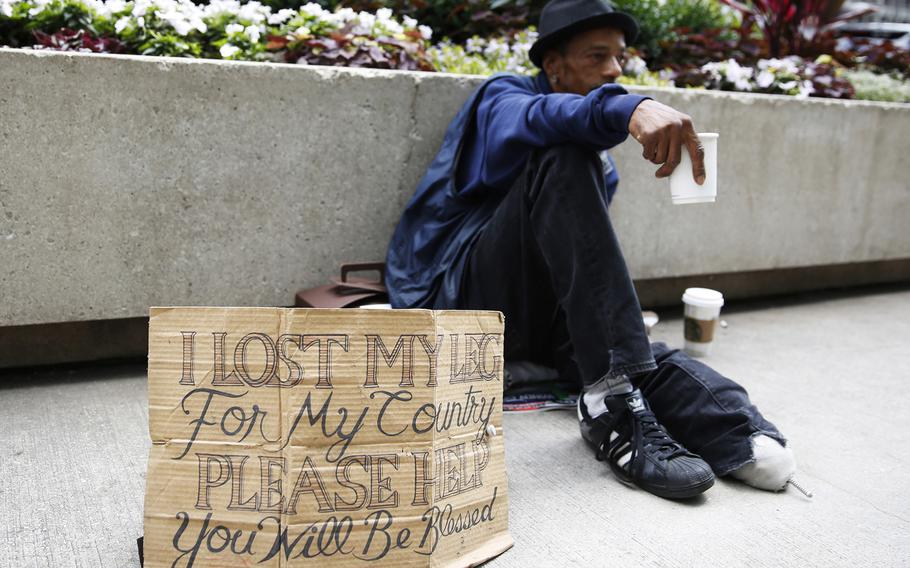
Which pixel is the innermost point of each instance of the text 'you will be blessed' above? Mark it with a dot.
(224, 375)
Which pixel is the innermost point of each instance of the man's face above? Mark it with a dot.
(591, 58)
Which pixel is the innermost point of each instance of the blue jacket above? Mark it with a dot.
(484, 150)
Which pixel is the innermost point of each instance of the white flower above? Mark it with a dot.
(792, 63)
(805, 89)
(217, 8)
(392, 27)
(342, 16)
(780, 65)
(39, 6)
(496, 49)
(140, 21)
(97, 6)
(713, 69)
(253, 33)
(788, 85)
(425, 32)
(302, 31)
(176, 19)
(743, 85)
(121, 24)
(253, 11)
(366, 20)
(182, 27)
(383, 14)
(409, 22)
(6, 8)
(197, 23)
(282, 16)
(227, 50)
(313, 9)
(114, 6)
(739, 75)
(635, 66)
(234, 28)
(765, 79)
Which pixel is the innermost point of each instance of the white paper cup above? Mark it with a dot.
(701, 316)
(683, 188)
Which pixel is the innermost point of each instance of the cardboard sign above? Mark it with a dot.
(305, 437)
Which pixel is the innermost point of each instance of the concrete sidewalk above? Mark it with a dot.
(828, 370)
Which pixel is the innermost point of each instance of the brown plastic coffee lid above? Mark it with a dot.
(704, 297)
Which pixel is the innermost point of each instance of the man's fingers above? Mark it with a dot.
(662, 131)
(674, 156)
(661, 155)
(648, 147)
(697, 153)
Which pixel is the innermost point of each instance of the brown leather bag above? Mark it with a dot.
(347, 291)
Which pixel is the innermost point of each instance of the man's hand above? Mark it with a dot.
(662, 131)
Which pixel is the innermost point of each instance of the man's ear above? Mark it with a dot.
(552, 63)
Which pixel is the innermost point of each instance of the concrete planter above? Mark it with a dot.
(128, 181)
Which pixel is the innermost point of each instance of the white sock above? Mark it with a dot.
(607, 386)
(774, 464)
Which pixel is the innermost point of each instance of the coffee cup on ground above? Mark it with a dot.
(683, 188)
(702, 312)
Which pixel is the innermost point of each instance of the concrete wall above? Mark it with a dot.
(127, 181)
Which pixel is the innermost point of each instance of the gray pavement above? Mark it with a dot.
(829, 370)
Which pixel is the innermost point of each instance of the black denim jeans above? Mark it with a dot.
(550, 261)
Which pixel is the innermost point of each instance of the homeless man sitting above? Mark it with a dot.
(512, 215)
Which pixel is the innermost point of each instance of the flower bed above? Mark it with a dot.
(684, 43)
(221, 29)
(485, 56)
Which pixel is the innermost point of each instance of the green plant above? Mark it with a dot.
(70, 40)
(645, 79)
(225, 29)
(873, 55)
(344, 37)
(59, 14)
(18, 20)
(457, 20)
(485, 56)
(697, 48)
(794, 27)
(168, 45)
(791, 75)
(663, 21)
(879, 87)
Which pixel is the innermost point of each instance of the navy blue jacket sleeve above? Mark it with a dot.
(509, 118)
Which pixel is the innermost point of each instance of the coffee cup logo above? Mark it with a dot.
(700, 331)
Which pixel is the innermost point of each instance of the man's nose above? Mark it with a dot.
(612, 69)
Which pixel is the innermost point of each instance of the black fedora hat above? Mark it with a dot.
(562, 18)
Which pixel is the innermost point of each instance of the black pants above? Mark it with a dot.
(550, 261)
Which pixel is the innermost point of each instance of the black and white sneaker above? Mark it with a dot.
(640, 451)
